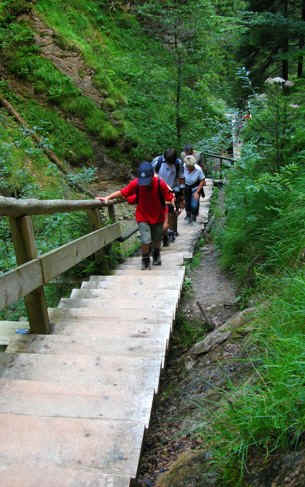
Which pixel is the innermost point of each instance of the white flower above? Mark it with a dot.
(277, 79)
(261, 97)
(292, 105)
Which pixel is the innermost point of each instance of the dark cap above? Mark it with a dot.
(188, 148)
(145, 173)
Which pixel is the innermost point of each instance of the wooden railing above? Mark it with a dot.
(213, 171)
(33, 271)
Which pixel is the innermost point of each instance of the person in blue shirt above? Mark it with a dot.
(170, 168)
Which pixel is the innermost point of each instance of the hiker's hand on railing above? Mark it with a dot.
(103, 199)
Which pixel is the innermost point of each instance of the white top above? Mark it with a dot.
(168, 172)
(192, 177)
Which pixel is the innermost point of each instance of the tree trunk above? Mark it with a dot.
(178, 96)
(285, 47)
(301, 44)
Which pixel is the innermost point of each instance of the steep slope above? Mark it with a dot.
(101, 86)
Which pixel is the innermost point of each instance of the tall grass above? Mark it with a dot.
(267, 413)
(263, 244)
(264, 229)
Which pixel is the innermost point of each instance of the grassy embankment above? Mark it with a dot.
(262, 244)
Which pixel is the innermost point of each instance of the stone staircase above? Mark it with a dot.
(74, 405)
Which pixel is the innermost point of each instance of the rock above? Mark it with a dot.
(223, 332)
(190, 468)
(189, 363)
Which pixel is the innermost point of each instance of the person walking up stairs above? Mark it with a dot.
(151, 195)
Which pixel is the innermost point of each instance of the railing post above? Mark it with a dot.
(96, 223)
(25, 248)
(107, 249)
(111, 213)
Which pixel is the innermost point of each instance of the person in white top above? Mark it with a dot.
(190, 151)
(194, 182)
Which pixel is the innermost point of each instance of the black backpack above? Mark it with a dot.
(161, 161)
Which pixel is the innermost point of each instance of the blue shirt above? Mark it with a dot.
(192, 177)
(168, 172)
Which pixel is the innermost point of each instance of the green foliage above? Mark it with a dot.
(264, 203)
(267, 413)
(86, 175)
(187, 331)
(110, 50)
(10, 9)
(45, 78)
(273, 40)
(68, 142)
(24, 169)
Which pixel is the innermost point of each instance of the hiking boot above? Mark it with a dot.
(171, 236)
(145, 263)
(165, 241)
(156, 257)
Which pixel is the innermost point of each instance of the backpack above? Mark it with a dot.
(162, 200)
(161, 161)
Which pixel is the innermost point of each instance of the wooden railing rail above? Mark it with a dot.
(20, 207)
(34, 271)
(218, 156)
(219, 171)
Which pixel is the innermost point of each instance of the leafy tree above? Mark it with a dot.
(191, 32)
(274, 39)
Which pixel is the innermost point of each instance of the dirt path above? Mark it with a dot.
(176, 415)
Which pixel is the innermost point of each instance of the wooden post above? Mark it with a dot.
(94, 218)
(205, 165)
(107, 249)
(96, 223)
(25, 248)
(111, 213)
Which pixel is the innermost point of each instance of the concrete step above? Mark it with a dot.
(82, 369)
(17, 475)
(50, 399)
(103, 446)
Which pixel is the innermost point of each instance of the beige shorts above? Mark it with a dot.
(150, 233)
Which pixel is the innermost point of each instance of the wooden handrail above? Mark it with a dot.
(20, 207)
(21, 281)
(33, 271)
(219, 156)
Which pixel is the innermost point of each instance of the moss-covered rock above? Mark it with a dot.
(191, 468)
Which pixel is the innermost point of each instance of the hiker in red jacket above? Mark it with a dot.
(151, 195)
